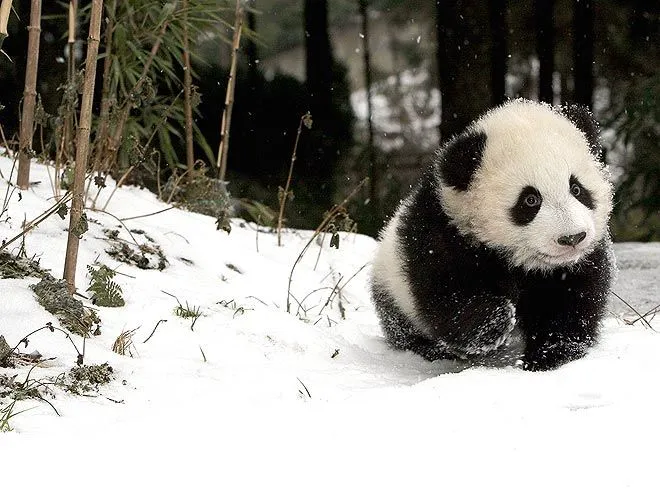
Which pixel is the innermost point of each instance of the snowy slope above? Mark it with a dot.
(240, 419)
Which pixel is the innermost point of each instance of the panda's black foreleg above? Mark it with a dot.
(473, 325)
(560, 314)
(400, 332)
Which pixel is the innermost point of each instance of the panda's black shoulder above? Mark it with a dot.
(432, 245)
(424, 224)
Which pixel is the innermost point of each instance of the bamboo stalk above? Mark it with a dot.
(104, 114)
(77, 203)
(29, 96)
(187, 93)
(229, 98)
(66, 153)
(5, 10)
(71, 40)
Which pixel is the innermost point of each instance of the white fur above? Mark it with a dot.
(387, 267)
(531, 144)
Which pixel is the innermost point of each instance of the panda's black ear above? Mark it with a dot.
(461, 158)
(584, 120)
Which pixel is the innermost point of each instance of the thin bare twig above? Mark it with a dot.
(319, 229)
(634, 310)
(148, 214)
(117, 186)
(33, 223)
(154, 330)
(331, 296)
(651, 312)
(50, 327)
(305, 119)
(122, 223)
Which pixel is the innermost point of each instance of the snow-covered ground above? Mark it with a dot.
(256, 400)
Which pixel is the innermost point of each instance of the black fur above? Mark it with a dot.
(461, 158)
(584, 120)
(400, 331)
(559, 312)
(522, 213)
(467, 294)
(584, 196)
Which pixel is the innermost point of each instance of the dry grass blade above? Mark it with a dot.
(651, 312)
(640, 316)
(305, 387)
(124, 345)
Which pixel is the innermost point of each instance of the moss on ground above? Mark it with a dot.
(18, 267)
(88, 378)
(54, 296)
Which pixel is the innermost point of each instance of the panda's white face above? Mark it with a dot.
(539, 194)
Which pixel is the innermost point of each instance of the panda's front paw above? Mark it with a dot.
(551, 356)
(490, 329)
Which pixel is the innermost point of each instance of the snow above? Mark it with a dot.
(241, 419)
(405, 109)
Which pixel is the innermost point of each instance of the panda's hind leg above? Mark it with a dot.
(400, 332)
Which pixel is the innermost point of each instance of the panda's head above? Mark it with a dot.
(527, 179)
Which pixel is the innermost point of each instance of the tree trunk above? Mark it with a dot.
(318, 60)
(497, 11)
(77, 203)
(252, 102)
(583, 51)
(320, 152)
(545, 41)
(29, 96)
(374, 172)
(464, 63)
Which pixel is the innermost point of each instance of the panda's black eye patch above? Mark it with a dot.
(581, 193)
(527, 206)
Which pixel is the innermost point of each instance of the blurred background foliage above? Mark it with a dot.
(427, 59)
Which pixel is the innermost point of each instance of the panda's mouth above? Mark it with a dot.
(560, 259)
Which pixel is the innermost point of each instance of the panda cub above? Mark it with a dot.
(504, 238)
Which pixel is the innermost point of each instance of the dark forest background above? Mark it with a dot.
(430, 66)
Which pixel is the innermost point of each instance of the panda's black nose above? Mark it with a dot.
(572, 240)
